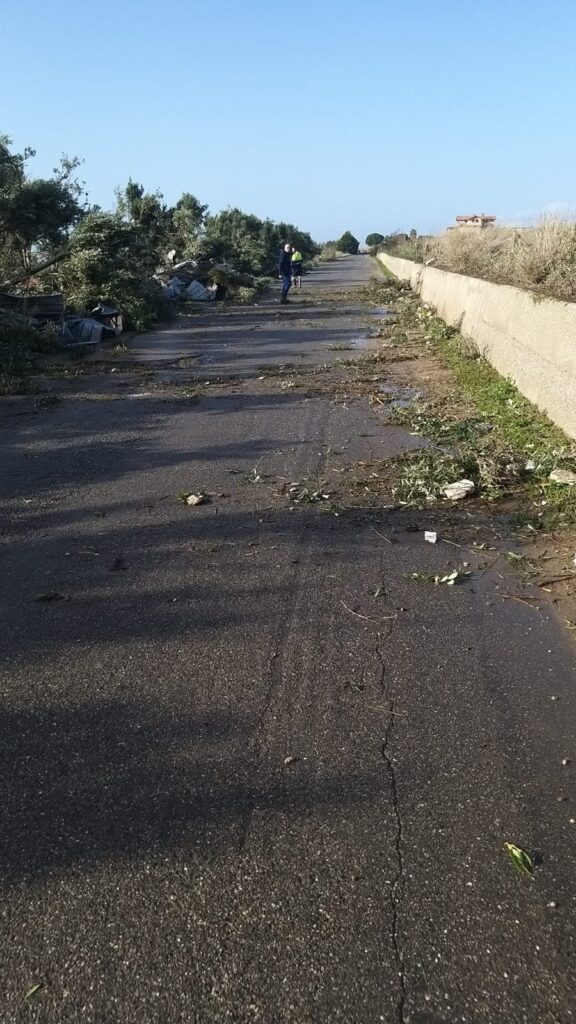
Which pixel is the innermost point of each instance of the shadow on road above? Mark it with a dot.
(119, 779)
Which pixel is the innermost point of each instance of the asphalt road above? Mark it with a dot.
(237, 785)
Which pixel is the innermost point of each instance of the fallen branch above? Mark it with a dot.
(36, 270)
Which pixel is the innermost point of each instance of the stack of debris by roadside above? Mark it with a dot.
(31, 309)
(45, 313)
(104, 324)
(200, 281)
(187, 281)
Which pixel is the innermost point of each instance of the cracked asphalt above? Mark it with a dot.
(250, 770)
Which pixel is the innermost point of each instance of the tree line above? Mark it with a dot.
(53, 238)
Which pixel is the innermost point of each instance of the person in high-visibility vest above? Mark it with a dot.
(296, 268)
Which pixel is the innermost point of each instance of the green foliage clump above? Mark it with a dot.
(250, 244)
(347, 243)
(20, 347)
(113, 260)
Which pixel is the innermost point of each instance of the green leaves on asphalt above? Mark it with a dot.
(456, 576)
(521, 860)
(34, 990)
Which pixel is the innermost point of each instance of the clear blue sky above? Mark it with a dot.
(371, 115)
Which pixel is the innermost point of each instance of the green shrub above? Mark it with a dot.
(20, 349)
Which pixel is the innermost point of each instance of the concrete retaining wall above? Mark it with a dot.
(529, 339)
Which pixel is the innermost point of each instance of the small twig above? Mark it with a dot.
(555, 579)
(384, 537)
(380, 707)
(521, 600)
(486, 568)
(378, 622)
(376, 707)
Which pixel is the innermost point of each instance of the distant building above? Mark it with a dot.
(474, 220)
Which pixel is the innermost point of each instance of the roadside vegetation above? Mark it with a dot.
(476, 424)
(346, 245)
(540, 258)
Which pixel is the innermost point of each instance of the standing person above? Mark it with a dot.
(297, 268)
(285, 271)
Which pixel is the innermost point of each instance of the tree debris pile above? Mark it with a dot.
(63, 260)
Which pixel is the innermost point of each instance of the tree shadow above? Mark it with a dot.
(111, 574)
(105, 780)
(39, 454)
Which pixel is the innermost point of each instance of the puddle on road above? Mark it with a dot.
(399, 396)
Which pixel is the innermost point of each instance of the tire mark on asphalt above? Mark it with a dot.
(302, 547)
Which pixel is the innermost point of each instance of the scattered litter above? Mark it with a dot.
(522, 862)
(530, 465)
(565, 761)
(50, 595)
(430, 536)
(458, 490)
(291, 759)
(563, 476)
(194, 499)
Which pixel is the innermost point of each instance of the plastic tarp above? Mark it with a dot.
(82, 331)
(198, 293)
(175, 287)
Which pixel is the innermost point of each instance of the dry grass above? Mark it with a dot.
(328, 252)
(542, 258)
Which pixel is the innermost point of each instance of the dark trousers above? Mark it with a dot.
(286, 284)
